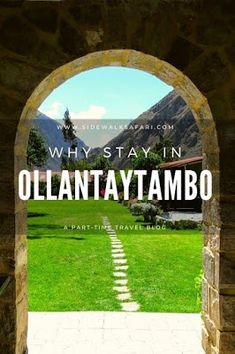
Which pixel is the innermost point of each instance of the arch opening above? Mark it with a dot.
(131, 59)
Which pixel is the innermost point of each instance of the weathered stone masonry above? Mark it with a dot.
(197, 38)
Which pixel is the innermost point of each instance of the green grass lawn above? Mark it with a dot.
(71, 270)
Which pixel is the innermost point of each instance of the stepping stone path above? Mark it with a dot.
(120, 266)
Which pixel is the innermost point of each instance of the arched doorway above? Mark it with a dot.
(195, 101)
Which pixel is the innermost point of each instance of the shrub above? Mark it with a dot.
(55, 184)
(148, 210)
(136, 209)
(120, 197)
(198, 286)
(185, 225)
(179, 225)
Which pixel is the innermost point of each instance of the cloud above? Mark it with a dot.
(93, 112)
(55, 110)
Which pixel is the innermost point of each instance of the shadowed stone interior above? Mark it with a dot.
(44, 43)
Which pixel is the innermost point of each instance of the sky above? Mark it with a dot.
(104, 94)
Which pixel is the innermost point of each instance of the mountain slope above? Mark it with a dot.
(53, 138)
(171, 110)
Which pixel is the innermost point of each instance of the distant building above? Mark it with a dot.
(191, 163)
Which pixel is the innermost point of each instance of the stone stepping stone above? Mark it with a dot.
(116, 243)
(117, 250)
(121, 267)
(120, 261)
(117, 246)
(124, 296)
(130, 306)
(118, 255)
(121, 289)
(119, 274)
(121, 281)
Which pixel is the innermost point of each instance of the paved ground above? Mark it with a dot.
(113, 333)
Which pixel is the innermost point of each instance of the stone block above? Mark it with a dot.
(227, 313)
(7, 346)
(214, 306)
(8, 322)
(22, 325)
(227, 212)
(21, 282)
(214, 238)
(205, 294)
(71, 40)
(42, 15)
(211, 329)
(227, 238)
(227, 273)
(209, 72)
(15, 76)
(226, 342)
(6, 163)
(206, 342)
(7, 264)
(209, 266)
(18, 36)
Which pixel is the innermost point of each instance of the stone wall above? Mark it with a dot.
(197, 38)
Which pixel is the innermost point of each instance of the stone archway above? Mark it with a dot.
(196, 37)
(195, 100)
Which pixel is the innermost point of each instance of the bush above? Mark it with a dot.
(148, 210)
(136, 209)
(42, 189)
(180, 225)
(186, 225)
(198, 286)
(55, 185)
(120, 197)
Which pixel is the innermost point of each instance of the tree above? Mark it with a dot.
(68, 130)
(37, 153)
(102, 163)
(149, 163)
(160, 145)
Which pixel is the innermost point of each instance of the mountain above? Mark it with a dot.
(53, 138)
(171, 110)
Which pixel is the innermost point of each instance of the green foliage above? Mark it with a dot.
(160, 145)
(101, 163)
(120, 197)
(37, 153)
(42, 188)
(82, 165)
(68, 130)
(146, 163)
(148, 210)
(198, 287)
(141, 162)
(64, 162)
(136, 209)
(183, 225)
(55, 184)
